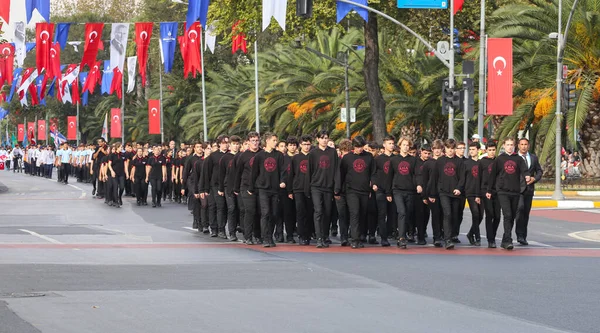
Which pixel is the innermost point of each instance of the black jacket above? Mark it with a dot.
(534, 170)
(508, 175)
(448, 175)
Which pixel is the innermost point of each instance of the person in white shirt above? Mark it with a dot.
(63, 160)
(49, 162)
(17, 155)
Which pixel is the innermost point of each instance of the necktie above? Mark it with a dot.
(525, 158)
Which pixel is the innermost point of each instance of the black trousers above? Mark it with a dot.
(509, 205)
(523, 212)
(459, 218)
(437, 219)
(65, 170)
(405, 208)
(343, 216)
(251, 215)
(221, 203)
(177, 190)
(368, 225)
(156, 190)
(322, 203)
(268, 212)
(286, 215)
(477, 216)
(233, 213)
(118, 186)
(304, 215)
(167, 190)
(451, 207)
(357, 212)
(140, 188)
(386, 214)
(421, 217)
(109, 190)
(212, 210)
(492, 217)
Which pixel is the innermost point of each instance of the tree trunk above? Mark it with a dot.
(371, 73)
(590, 143)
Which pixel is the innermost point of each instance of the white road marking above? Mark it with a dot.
(190, 228)
(577, 235)
(529, 241)
(46, 238)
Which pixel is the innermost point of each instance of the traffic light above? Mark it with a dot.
(446, 96)
(304, 8)
(570, 96)
(468, 105)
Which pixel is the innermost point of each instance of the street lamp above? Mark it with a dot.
(344, 63)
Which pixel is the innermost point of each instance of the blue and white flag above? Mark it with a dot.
(51, 88)
(343, 9)
(168, 42)
(3, 114)
(107, 77)
(39, 83)
(59, 139)
(16, 83)
(62, 34)
(197, 11)
(42, 6)
(84, 97)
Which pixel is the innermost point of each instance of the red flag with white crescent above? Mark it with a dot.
(153, 116)
(41, 132)
(500, 77)
(183, 48)
(75, 92)
(20, 132)
(92, 78)
(7, 61)
(5, 10)
(115, 123)
(93, 39)
(53, 124)
(116, 84)
(72, 128)
(30, 127)
(192, 59)
(43, 44)
(238, 40)
(143, 32)
(54, 67)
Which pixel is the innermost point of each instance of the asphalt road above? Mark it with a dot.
(69, 263)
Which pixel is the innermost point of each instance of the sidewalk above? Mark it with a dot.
(573, 200)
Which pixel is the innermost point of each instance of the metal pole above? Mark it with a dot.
(204, 120)
(482, 90)
(47, 128)
(256, 84)
(347, 90)
(77, 127)
(123, 109)
(162, 133)
(466, 118)
(35, 130)
(558, 195)
(451, 72)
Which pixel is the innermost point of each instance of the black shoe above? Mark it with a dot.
(272, 243)
(116, 205)
(492, 245)
(93, 191)
(477, 242)
(280, 239)
(259, 241)
(120, 202)
(357, 245)
(345, 242)
(233, 238)
(306, 242)
(291, 240)
(385, 242)
(373, 240)
(154, 205)
(213, 234)
(522, 241)
(334, 233)
(158, 204)
(449, 245)
(437, 243)
(410, 238)
(205, 230)
(363, 238)
(507, 246)
(144, 203)
(249, 242)
(222, 235)
(455, 240)
(320, 243)
(421, 242)
(401, 243)
(139, 204)
(195, 224)
(267, 245)
(327, 241)
(471, 238)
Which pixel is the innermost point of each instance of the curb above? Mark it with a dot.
(571, 193)
(565, 204)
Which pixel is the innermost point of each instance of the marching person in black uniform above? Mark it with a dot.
(156, 174)
(534, 169)
(191, 176)
(509, 178)
(295, 187)
(437, 150)
(226, 180)
(138, 177)
(386, 211)
(250, 204)
(176, 176)
(448, 182)
(490, 205)
(209, 187)
(421, 207)
(473, 193)
(98, 156)
(118, 164)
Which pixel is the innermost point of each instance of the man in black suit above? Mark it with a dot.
(535, 172)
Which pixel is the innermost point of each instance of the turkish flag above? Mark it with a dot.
(7, 60)
(153, 116)
(192, 48)
(5, 10)
(115, 123)
(500, 77)
(20, 132)
(239, 40)
(76, 98)
(143, 32)
(72, 128)
(458, 5)
(183, 48)
(117, 83)
(41, 130)
(53, 124)
(43, 44)
(92, 79)
(93, 39)
(30, 127)
(54, 67)
(34, 95)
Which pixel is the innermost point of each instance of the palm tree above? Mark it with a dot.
(535, 55)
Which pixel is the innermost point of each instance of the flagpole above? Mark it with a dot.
(35, 129)
(256, 83)
(123, 108)
(482, 46)
(162, 132)
(77, 127)
(451, 73)
(205, 125)
(46, 128)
